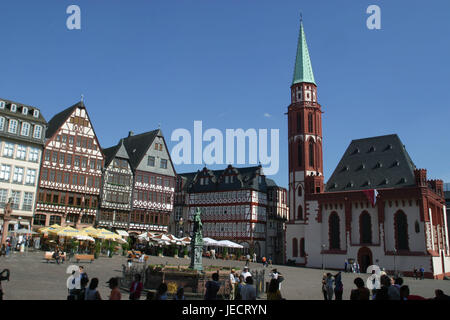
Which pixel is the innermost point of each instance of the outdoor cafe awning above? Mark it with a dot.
(122, 233)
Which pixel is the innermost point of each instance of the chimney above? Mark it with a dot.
(130, 133)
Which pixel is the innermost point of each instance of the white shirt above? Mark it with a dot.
(246, 274)
(232, 279)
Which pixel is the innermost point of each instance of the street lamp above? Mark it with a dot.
(323, 248)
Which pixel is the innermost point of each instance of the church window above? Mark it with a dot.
(300, 213)
(302, 248)
(300, 154)
(294, 248)
(310, 122)
(401, 231)
(311, 153)
(365, 228)
(300, 191)
(334, 231)
(417, 226)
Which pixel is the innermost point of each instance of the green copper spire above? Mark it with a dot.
(303, 69)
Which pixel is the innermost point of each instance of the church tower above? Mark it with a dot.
(305, 135)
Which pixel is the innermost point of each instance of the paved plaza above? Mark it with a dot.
(32, 278)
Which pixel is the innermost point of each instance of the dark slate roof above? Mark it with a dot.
(245, 179)
(373, 163)
(58, 119)
(137, 146)
(111, 152)
(19, 114)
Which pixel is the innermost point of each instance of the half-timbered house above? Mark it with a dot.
(117, 187)
(153, 183)
(233, 203)
(71, 171)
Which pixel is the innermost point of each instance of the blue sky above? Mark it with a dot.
(227, 63)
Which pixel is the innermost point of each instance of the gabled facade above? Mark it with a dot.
(376, 208)
(22, 133)
(117, 187)
(233, 202)
(153, 183)
(71, 171)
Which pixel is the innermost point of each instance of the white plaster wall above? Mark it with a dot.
(416, 240)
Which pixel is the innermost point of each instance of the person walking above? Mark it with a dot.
(212, 287)
(361, 292)
(273, 293)
(114, 286)
(329, 286)
(248, 292)
(338, 286)
(232, 284)
(91, 292)
(136, 288)
(247, 261)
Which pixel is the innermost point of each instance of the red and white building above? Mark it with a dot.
(377, 207)
(233, 203)
(71, 171)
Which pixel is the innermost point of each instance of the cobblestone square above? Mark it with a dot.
(32, 278)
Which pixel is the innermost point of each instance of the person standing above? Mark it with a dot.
(338, 286)
(247, 262)
(246, 273)
(345, 266)
(162, 292)
(361, 292)
(232, 284)
(136, 288)
(114, 286)
(254, 257)
(329, 286)
(273, 293)
(422, 273)
(248, 292)
(212, 287)
(91, 292)
(324, 287)
(180, 294)
(240, 285)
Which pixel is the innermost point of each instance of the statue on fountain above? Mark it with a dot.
(197, 242)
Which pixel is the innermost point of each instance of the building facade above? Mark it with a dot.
(22, 132)
(376, 208)
(71, 171)
(117, 187)
(153, 182)
(277, 216)
(234, 205)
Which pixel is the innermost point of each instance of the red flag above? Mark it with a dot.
(371, 195)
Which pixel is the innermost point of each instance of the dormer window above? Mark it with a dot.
(227, 179)
(372, 149)
(356, 151)
(2, 104)
(378, 165)
(13, 108)
(36, 113)
(388, 147)
(25, 110)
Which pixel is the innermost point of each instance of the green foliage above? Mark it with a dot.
(186, 251)
(98, 247)
(238, 254)
(225, 251)
(125, 248)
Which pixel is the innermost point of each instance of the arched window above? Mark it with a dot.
(299, 123)
(365, 228)
(294, 248)
(300, 192)
(302, 247)
(310, 123)
(334, 232)
(311, 153)
(300, 213)
(417, 226)
(300, 154)
(401, 231)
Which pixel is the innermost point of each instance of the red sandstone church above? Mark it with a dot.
(377, 208)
